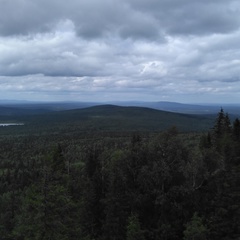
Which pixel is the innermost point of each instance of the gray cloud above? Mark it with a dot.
(92, 19)
(128, 18)
(192, 17)
(133, 49)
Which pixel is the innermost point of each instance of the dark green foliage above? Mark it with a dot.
(134, 231)
(221, 126)
(104, 118)
(236, 129)
(206, 141)
(121, 185)
(195, 229)
(93, 193)
(46, 205)
(224, 220)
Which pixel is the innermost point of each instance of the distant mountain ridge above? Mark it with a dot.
(36, 107)
(185, 108)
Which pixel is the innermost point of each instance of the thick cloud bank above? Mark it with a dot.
(178, 50)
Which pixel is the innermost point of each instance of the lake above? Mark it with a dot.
(10, 124)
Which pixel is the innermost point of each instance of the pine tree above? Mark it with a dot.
(236, 129)
(195, 229)
(134, 231)
(46, 205)
(222, 125)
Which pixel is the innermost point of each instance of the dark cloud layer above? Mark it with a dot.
(157, 50)
(127, 18)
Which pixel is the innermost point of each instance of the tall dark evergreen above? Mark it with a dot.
(222, 125)
(134, 231)
(195, 229)
(46, 204)
(236, 130)
(93, 193)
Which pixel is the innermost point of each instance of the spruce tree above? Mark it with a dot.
(134, 231)
(195, 229)
(46, 211)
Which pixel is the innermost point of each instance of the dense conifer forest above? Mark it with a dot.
(121, 185)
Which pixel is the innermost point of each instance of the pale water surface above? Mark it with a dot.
(10, 124)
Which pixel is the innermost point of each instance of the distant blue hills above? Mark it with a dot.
(186, 108)
(27, 107)
(113, 116)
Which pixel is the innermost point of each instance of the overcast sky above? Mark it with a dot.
(101, 50)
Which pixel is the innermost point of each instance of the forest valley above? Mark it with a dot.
(122, 185)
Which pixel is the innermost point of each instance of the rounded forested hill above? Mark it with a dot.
(116, 118)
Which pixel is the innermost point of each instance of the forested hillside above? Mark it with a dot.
(122, 185)
(105, 118)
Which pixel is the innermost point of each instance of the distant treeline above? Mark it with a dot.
(115, 187)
